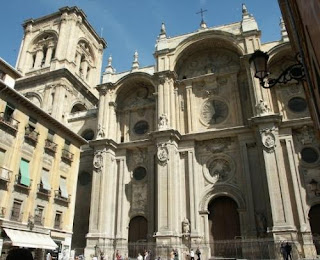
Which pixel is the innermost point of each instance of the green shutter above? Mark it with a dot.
(24, 171)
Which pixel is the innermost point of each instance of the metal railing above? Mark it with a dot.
(31, 134)
(43, 191)
(57, 195)
(18, 182)
(16, 216)
(9, 121)
(67, 155)
(50, 146)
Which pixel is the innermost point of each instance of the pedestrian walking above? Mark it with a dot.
(288, 249)
(191, 254)
(198, 253)
(283, 251)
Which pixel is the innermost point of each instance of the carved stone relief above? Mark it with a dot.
(305, 135)
(139, 197)
(219, 168)
(98, 161)
(268, 139)
(216, 145)
(163, 122)
(163, 154)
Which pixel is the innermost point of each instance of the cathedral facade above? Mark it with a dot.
(183, 154)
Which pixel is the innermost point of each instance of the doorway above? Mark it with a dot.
(138, 232)
(224, 227)
(314, 218)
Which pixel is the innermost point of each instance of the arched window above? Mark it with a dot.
(88, 134)
(78, 107)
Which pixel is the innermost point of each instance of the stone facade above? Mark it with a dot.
(170, 142)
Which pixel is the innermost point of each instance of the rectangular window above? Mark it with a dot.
(63, 188)
(67, 145)
(24, 173)
(50, 135)
(2, 74)
(8, 111)
(38, 215)
(2, 156)
(45, 180)
(16, 209)
(58, 219)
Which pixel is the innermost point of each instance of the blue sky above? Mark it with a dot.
(129, 25)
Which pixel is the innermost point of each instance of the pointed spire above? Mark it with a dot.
(135, 63)
(163, 29)
(248, 22)
(284, 34)
(109, 69)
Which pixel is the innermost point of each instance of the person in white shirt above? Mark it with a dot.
(191, 254)
(139, 257)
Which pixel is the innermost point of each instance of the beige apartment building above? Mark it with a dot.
(188, 153)
(39, 162)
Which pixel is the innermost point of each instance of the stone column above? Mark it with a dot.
(126, 126)
(102, 96)
(299, 196)
(48, 55)
(250, 214)
(84, 67)
(189, 99)
(39, 57)
(280, 201)
(193, 190)
(78, 62)
(151, 190)
(59, 96)
(63, 35)
(121, 232)
(24, 58)
(112, 121)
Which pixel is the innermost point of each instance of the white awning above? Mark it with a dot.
(30, 239)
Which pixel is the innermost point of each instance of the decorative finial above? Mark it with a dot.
(203, 25)
(135, 63)
(244, 9)
(163, 29)
(109, 68)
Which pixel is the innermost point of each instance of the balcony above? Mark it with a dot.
(9, 122)
(50, 147)
(43, 192)
(58, 197)
(31, 135)
(57, 224)
(20, 185)
(67, 156)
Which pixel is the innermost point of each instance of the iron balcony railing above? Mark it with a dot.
(43, 191)
(50, 146)
(67, 155)
(31, 134)
(57, 195)
(9, 121)
(21, 185)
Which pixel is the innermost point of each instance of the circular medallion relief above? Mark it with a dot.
(297, 104)
(214, 111)
(141, 127)
(219, 169)
(309, 155)
(139, 173)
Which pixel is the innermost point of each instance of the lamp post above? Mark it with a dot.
(260, 62)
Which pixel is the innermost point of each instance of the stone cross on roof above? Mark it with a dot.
(202, 24)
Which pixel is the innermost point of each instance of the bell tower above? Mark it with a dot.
(60, 57)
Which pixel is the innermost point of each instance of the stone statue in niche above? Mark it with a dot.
(163, 122)
(185, 226)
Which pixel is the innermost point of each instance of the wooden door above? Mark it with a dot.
(314, 218)
(224, 224)
(138, 231)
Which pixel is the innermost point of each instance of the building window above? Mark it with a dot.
(141, 127)
(38, 215)
(58, 220)
(139, 173)
(309, 155)
(2, 74)
(24, 173)
(8, 111)
(16, 209)
(88, 134)
(297, 104)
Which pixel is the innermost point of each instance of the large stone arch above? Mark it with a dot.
(205, 41)
(226, 190)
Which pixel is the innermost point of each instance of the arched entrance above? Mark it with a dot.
(138, 231)
(224, 225)
(314, 217)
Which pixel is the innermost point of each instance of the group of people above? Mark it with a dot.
(146, 255)
(285, 249)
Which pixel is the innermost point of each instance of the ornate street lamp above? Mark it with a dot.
(260, 62)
